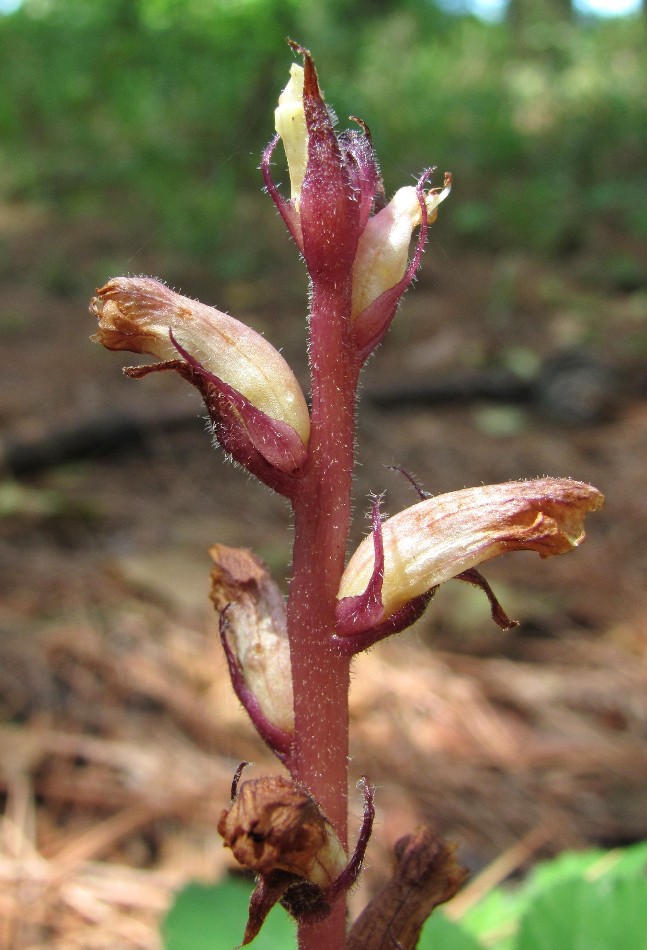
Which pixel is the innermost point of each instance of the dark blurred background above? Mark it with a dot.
(130, 139)
(150, 114)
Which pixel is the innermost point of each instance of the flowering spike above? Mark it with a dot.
(447, 535)
(290, 663)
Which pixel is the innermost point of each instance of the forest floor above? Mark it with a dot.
(120, 731)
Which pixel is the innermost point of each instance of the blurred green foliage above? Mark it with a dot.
(153, 113)
(587, 900)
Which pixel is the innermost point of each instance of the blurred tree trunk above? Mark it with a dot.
(522, 13)
(526, 14)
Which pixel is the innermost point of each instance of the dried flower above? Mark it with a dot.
(426, 874)
(278, 830)
(254, 634)
(274, 825)
(441, 537)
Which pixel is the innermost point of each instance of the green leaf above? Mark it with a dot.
(587, 915)
(591, 865)
(495, 918)
(439, 933)
(213, 917)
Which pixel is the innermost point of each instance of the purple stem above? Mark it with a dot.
(321, 503)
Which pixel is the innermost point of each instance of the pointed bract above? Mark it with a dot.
(329, 210)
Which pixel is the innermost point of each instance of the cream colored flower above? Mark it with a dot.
(383, 249)
(441, 537)
(143, 315)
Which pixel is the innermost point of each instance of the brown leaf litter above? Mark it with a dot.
(122, 735)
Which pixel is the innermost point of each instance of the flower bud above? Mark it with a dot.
(383, 248)
(142, 315)
(441, 537)
(290, 123)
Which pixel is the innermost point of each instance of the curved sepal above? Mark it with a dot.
(286, 208)
(359, 619)
(275, 440)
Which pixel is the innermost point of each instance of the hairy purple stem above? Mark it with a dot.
(320, 675)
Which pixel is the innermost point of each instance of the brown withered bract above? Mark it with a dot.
(426, 874)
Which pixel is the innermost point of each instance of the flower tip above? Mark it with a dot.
(436, 196)
(126, 320)
(297, 47)
(311, 84)
(567, 509)
(290, 123)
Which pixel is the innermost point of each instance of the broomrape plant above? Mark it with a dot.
(289, 660)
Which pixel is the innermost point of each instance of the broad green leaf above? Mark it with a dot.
(592, 865)
(213, 917)
(439, 933)
(578, 914)
(495, 918)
